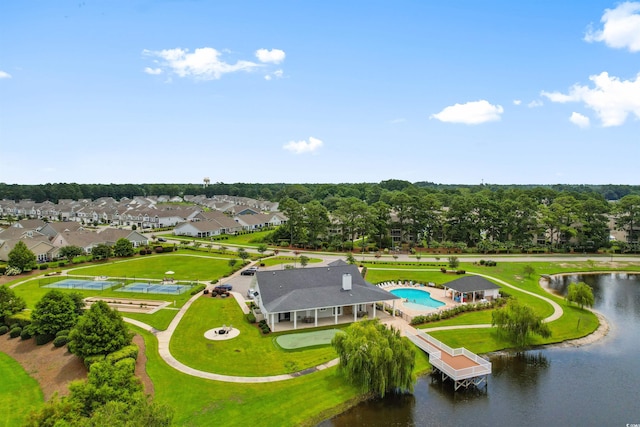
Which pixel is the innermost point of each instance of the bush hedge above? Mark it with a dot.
(128, 352)
(26, 334)
(459, 309)
(88, 361)
(250, 317)
(4, 329)
(198, 289)
(64, 332)
(60, 340)
(15, 332)
(42, 339)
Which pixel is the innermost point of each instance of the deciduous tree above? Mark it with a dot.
(123, 248)
(10, 303)
(581, 294)
(21, 257)
(70, 252)
(517, 322)
(376, 359)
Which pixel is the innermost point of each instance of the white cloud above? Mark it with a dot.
(579, 120)
(153, 71)
(204, 63)
(471, 113)
(621, 27)
(303, 146)
(4, 75)
(517, 102)
(396, 121)
(276, 74)
(273, 56)
(611, 98)
(535, 103)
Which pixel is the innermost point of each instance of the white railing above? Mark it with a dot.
(434, 347)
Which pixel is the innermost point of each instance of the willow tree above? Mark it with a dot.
(581, 294)
(375, 358)
(518, 322)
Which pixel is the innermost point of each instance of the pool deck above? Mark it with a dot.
(410, 309)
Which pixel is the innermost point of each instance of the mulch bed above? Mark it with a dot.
(54, 368)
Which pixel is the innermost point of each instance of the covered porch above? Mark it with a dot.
(318, 317)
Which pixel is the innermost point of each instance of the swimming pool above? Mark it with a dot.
(417, 296)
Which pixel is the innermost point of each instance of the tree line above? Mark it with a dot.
(486, 220)
(303, 193)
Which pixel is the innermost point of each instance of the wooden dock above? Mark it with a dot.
(463, 367)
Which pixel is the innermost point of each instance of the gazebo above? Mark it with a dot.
(477, 286)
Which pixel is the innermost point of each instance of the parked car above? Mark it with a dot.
(251, 293)
(249, 271)
(225, 288)
(161, 239)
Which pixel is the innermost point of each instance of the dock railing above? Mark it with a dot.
(435, 348)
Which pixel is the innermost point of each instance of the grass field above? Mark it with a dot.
(249, 354)
(19, 393)
(303, 401)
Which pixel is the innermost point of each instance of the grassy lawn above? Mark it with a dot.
(159, 320)
(249, 354)
(186, 267)
(303, 401)
(19, 393)
(270, 262)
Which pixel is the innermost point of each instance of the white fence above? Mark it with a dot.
(435, 348)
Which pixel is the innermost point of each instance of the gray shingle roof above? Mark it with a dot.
(471, 284)
(317, 287)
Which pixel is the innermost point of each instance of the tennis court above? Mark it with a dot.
(306, 339)
(149, 288)
(99, 285)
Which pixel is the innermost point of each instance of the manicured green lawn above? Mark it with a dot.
(19, 393)
(303, 401)
(185, 266)
(249, 354)
(159, 320)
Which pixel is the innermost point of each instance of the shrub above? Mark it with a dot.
(60, 341)
(461, 272)
(90, 360)
(15, 332)
(42, 339)
(43, 266)
(250, 317)
(15, 325)
(62, 263)
(62, 332)
(198, 289)
(27, 333)
(143, 251)
(12, 271)
(158, 249)
(128, 352)
(3, 270)
(4, 329)
(443, 270)
(18, 319)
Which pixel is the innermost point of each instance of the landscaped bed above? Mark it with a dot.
(129, 305)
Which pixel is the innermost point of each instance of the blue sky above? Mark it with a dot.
(462, 92)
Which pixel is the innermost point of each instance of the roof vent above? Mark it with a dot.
(346, 282)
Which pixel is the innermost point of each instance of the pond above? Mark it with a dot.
(593, 385)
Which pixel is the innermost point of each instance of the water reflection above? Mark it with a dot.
(523, 368)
